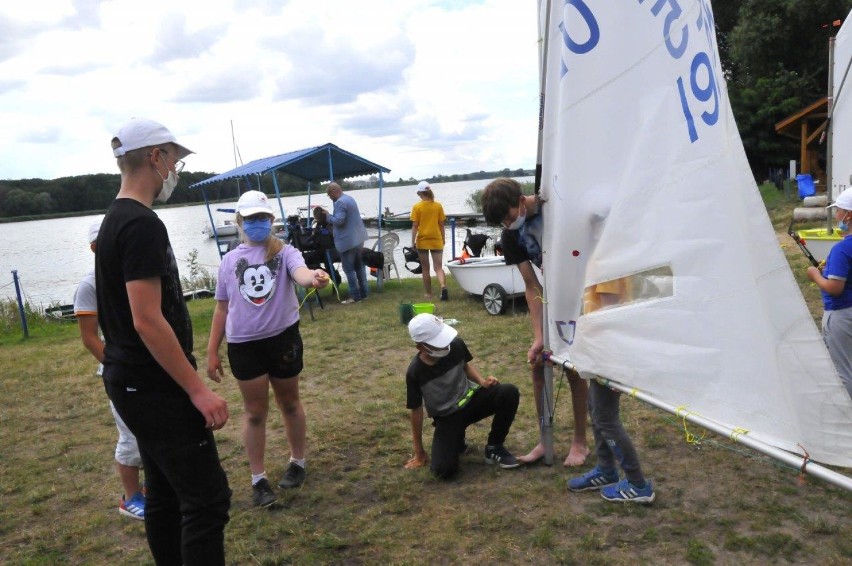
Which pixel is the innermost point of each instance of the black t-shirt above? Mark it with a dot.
(133, 244)
(442, 385)
(524, 244)
(513, 250)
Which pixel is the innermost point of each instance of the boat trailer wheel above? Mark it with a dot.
(494, 299)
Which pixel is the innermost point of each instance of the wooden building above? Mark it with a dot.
(807, 125)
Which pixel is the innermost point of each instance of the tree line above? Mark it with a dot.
(774, 56)
(29, 198)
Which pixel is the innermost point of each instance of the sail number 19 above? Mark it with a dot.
(702, 80)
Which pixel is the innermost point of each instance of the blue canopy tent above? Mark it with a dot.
(314, 164)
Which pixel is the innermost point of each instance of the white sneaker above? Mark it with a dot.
(347, 302)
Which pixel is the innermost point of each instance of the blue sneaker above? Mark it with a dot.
(626, 491)
(134, 507)
(591, 480)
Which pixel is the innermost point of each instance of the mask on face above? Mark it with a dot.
(519, 221)
(843, 226)
(169, 184)
(437, 353)
(257, 230)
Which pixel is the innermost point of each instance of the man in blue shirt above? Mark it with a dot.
(349, 236)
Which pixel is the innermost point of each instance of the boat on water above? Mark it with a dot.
(403, 220)
(228, 228)
(397, 221)
(66, 312)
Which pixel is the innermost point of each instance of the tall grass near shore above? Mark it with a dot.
(717, 503)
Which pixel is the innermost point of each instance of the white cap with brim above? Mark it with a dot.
(844, 200)
(254, 202)
(141, 132)
(429, 329)
(94, 228)
(423, 186)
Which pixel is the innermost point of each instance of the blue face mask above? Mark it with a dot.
(843, 226)
(257, 230)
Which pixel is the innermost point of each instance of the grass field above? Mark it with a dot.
(717, 503)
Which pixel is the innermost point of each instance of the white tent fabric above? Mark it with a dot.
(643, 168)
(841, 161)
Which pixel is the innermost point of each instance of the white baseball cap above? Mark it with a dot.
(141, 132)
(94, 228)
(423, 186)
(254, 202)
(429, 329)
(843, 200)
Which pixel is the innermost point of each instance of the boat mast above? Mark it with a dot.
(547, 402)
(236, 153)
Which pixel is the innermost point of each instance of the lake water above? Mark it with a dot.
(51, 256)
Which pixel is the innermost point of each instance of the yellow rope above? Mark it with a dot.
(314, 290)
(690, 438)
(304, 300)
(737, 432)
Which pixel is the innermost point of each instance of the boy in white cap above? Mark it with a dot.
(442, 377)
(835, 282)
(149, 370)
(127, 459)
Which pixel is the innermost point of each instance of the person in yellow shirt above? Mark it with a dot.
(427, 236)
(613, 445)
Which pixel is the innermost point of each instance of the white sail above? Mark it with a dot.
(644, 175)
(841, 158)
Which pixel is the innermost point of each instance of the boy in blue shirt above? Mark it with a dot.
(834, 282)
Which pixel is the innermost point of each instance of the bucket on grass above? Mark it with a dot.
(406, 312)
(420, 308)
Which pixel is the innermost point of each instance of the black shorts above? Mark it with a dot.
(280, 356)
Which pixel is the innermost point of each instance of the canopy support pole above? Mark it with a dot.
(277, 195)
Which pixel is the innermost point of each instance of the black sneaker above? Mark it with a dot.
(444, 295)
(262, 494)
(500, 456)
(293, 477)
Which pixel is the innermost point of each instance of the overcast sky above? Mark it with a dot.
(421, 87)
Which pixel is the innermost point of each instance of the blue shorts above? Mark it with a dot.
(279, 356)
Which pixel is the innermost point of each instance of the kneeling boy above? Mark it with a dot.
(456, 396)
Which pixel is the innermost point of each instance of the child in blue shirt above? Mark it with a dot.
(836, 285)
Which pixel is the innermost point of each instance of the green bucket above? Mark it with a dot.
(406, 312)
(421, 308)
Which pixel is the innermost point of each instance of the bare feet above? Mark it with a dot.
(535, 455)
(576, 456)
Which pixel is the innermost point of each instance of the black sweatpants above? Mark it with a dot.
(500, 400)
